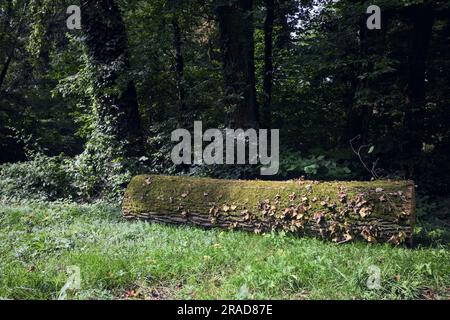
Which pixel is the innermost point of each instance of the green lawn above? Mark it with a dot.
(120, 259)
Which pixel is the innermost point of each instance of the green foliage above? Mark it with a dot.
(432, 213)
(293, 164)
(26, 102)
(331, 83)
(102, 170)
(159, 147)
(74, 85)
(41, 177)
(87, 177)
(226, 172)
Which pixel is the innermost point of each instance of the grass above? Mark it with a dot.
(120, 259)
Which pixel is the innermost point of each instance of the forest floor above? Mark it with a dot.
(136, 260)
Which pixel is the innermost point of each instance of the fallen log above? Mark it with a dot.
(376, 211)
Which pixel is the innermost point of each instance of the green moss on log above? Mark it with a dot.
(375, 211)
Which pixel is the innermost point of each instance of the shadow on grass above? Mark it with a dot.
(433, 221)
(432, 233)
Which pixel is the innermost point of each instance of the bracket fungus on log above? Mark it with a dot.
(341, 211)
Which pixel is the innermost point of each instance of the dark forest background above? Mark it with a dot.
(81, 111)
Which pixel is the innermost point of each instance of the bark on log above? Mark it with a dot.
(377, 211)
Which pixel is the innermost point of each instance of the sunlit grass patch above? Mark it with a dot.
(137, 260)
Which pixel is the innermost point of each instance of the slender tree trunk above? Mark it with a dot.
(372, 43)
(116, 100)
(268, 62)
(282, 12)
(179, 64)
(422, 20)
(5, 30)
(5, 70)
(237, 46)
(359, 113)
(6, 21)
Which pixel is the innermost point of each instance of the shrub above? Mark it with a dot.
(100, 171)
(42, 177)
(294, 165)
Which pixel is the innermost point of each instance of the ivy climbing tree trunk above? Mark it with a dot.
(237, 46)
(375, 211)
(114, 93)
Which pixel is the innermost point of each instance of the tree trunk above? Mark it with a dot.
(116, 101)
(7, 19)
(422, 20)
(282, 10)
(5, 31)
(237, 46)
(5, 70)
(268, 62)
(371, 45)
(179, 64)
(339, 211)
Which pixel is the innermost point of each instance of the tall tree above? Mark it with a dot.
(11, 32)
(5, 68)
(422, 18)
(237, 46)
(285, 12)
(179, 63)
(5, 19)
(360, 105)
(268, 61)
(114, 93)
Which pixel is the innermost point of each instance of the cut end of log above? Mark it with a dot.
(375, 211)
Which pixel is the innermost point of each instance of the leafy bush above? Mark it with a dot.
(293, 165)
(42, 177)
(102, 170)
(159, 147)
(90, 175)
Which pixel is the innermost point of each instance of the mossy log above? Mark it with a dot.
(376, 211)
